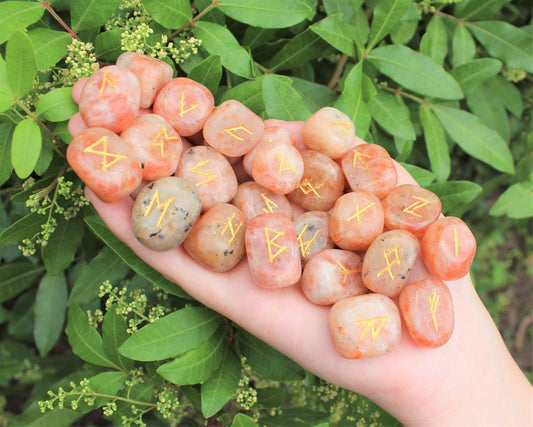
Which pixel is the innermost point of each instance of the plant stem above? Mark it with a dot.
(193, 20)
(337, 73)
(405, 94)
(49, 8)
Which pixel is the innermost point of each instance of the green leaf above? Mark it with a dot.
(6, 133)
(506, 42)
(515, 202)
(387, 14)
(6, 97)
(107, 45)
(217, 390)
(33, 417)
(16, 277)
(172, 335)
(351, 101)
(300, 49)
(104, 385)
(314, 95)
(473, 74)
(436, 145)
(85, 341)
(455, 194)
(344, 8)
(50, 307)
(25, 147)
(104, 266)
(337, 33)
(50, 46)
(96, 224)
(434, 42)
(267, 361)
(208, 73)
(404, 31)
(415, 71)
(17, 15)
(243, 420)
(45, 158)
(475, 138)
(21, 64)
(508, 93)
(463, 45)
(404, 148)
(267, 14)
(422, 176)
(90, 14)
(392, 114)
(473, 10)
(63, 244)
(250, 93)
(282, 102)
(24, 228)
(57, 105)
(169, 13)
(198, 364)
(113, 335)
(485, 104)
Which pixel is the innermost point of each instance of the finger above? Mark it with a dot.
(77, 89)
(76, 125)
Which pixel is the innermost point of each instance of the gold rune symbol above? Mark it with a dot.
(307, 187)
(156, 201)
(104, 153)
(359, 212)
(184, 111)
(232, 131)
(346, 272)
(420, 203)
(396, 260)
(209, 175)
(229, 226)
(306, 245)
(272, 244)
(161, 138)
(107, 80)
(456, 241)
(370, 326)
(283, 162)
(433, 302)
(345, 126)
(270, 204)
(360, 157)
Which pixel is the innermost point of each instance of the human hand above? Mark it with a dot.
(417, 385)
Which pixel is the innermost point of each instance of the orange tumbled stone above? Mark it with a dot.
(427, 309)
(155, 143)
(185, 104)
(356, 220)
(110, 98)
(448, 248)
(216, 241)
(365, 326)
(331, 275)
(211, 173)
(388, 262)
(233, 129)
(312, 228)
(272, 251)
(105, 163)
(255, 200)
(412, 208)
(321, 185)
(369, 167)
(330, 132)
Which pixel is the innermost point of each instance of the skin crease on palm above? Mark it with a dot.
(471, 380)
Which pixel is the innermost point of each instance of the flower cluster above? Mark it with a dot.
(78, 393)
(513, 74)
(81, 62)
(168, 404)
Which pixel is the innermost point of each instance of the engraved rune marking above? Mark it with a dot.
(370, 326)
(232, 131)
(307, 188)
(184, 111)
(161, 138)
(345, 126)
(456, 241)
(229, 226)
(104, 153)
(358, 212)
(155, 201)
(270, 204)
(306, 245)
(284, 165)
(346, 272)
(420, 203)
(108, 80)
(360, 156)
(433, 302)
(271, 243)
(390, 263)
(209, 175)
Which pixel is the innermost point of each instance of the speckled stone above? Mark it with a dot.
(312, 228)
(255, 200)
(165, 212)
(365, 326)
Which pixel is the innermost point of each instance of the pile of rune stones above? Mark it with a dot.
(327, 216)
